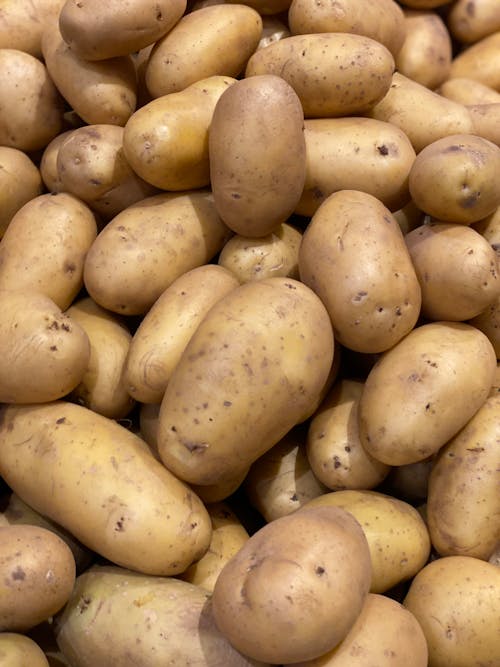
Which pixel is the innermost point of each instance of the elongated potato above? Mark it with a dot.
(480, 61)
(20, 181)
(486, 121)
(468, 91)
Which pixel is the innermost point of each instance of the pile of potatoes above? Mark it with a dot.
(250, 332)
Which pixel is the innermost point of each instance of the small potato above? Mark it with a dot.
(23, 23)
(468, 91)
(469, 22)
(480, 61)
(215, 40)
(17, 650)
(37, 574)
(455, 600)
(453, 178)
(486, 121)
(20, 181)
(333, 74)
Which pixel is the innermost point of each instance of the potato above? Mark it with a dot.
(96, 30)
(44, 354)
(453, 178)
(334, 451)
(23, 23)
(259, 359)
(150, 244)
(276, 254)
(468, 91)
(215, 40)
(17, 650)
(48, 163)
(421, 392)
(340, 74)
(423, 115)
(99, 481)
(355, 153)
(103, 388)
(37, 573)
(45, 245)
(423, 4)
(470, 22)
(120, 617)
(480, 61)
(383, 631)
(166, 140)
(372, 302)
(455, 601)
(165, 330)
(488, 321)
(463, 504)
(20, 181)
(31, 113)
(486, 121)
(257, 116)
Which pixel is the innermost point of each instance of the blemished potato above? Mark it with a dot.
(480, 61)
(48, 163)
(257, 116)
(468, 91)
(486, 121)
(31, 113)
(153, 621)
(397, 536)
(20, 181)
(17, 650)
(45, 246)
(106, 489)
(463, 503)
(334, 451)
(333, 74)
(215, 40)
(455, 601)
(287, 571)
(166, 140)
(44, 354)
(383, 631)
(382, 21)
(453, 178)
(414, 400)
(281, 480)
(469, 23)
(425, 56)
(96, 30)
(148, 245)
(37, 574)
(276, 254)
(355, 153)
(423, 115)
(23, 23)
(259, 360)
(372, 302)
(165, 330)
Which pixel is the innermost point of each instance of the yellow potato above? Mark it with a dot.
(23, 23)
(469, 22)
(468, 91)
(48, 162)
(20, 181)
(480, 61)
(486, 121)
(488, 321)
(17, 650)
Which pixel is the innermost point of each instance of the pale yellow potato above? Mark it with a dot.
(334, 451)
(148, 245)
(353, 255)
(488, 321)
(383, 20)
(17, 650)
(266, 8)
(423, 115)
(480, 61)
(333, 74)
(106, 489)
(409, 408)
(48, 163)
(489, 227)
(37, 574)
(471, 21)
(165, 330)
(45, 245)
(384, 633)
(214, 40)
(96, 30)
(23, 22)
(166, 140)
(355, 153)
(20, 181)
(486, 121)
(468, 91)
(455, 601)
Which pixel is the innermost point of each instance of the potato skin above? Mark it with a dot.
(480, 61)
(471, 25)
(24, 21)
(17, 650)
(20, 181)
(468, 91)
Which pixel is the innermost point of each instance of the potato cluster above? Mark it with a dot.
(250, 333)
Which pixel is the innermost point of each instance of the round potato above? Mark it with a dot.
(17, 650)
(480, 61)
(20, 181)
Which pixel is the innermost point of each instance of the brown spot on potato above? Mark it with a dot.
(471, 200)
(319, 570)
(383, 150)
(470, 9)
(18, 574)
(69, 267)
(84, 604)
(195, 447)
(61, 420)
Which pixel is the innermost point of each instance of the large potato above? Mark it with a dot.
(20, 181)
(23, 23)
(17, 650)
(480, 61)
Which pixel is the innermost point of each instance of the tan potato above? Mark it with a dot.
(470, 22)
(256, 117)
(20, 181)
(372, 302)
(106, 489)
(287, 571)
(260, 358)
(150, 244)
(468, 91)
(166, 140)
(486, 121)
(48, 163)
(355, 153)
(488, 321)
(480, 61)
(165, 330)
(409, 408)
(96, 30)
(455, 601)
(37, 574)
(215, 40)
(17, 650)
(323, 77)
(23, 23)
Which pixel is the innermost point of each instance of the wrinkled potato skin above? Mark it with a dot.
(20, 181)
(37, 573)
(17, 650)
(480, 61)
(409, 408)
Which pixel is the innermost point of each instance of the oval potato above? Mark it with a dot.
(17, 650)
(468, 91)
(20, 181)
(480, 61)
